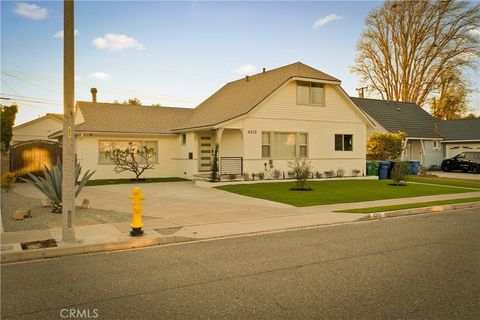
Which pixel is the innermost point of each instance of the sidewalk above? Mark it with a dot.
(109, 237)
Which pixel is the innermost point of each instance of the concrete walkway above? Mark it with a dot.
(456, 175)
(187, 212)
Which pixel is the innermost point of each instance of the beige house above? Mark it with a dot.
(259, 122)
(38, 129)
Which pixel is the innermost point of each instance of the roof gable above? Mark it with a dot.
(397, 116)
(239, 97)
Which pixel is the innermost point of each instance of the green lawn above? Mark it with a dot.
(411, 205)
(102, 182)
(342, 191)
(447, 181)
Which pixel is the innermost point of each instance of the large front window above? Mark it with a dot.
(310, 93)
(109, 145)
(284, 145)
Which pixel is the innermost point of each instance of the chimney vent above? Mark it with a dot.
(93, 91)
(264, 70)
(247, 78)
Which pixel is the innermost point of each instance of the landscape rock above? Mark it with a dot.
(46, 203)
(22, 213)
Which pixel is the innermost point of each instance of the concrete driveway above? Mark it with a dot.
(182, 203)
(456, 175)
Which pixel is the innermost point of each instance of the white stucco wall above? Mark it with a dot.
(38, 129)
(87, 154)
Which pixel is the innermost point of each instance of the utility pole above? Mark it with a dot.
(361, 91)
(68, 177)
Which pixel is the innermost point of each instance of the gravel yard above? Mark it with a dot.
(43, 218)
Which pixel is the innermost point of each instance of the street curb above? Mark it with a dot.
(55, 252)
(414, 211)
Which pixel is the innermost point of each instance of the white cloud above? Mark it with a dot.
(102, 76)
(59, 34)
(116, 42)
(31, 11)
(475, 31)
(246, 69)
(323, 21)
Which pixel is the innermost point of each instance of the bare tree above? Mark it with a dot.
(132, 158)
(409, 46)
(452, 103)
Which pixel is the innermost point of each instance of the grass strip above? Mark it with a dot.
(410, 205)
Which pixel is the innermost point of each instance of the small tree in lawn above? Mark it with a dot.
(133, 159)
(302, 170)
(400, 172)
(214, 177)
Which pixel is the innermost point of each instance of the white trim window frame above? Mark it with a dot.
(109, 145)
(270, 149)
(310, 93)
(346, 141)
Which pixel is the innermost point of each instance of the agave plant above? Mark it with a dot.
(51, 184)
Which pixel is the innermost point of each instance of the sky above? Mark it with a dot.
(171, 53)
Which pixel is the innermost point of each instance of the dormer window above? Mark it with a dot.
(310, 93)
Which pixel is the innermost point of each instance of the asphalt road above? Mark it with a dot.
(420, 267)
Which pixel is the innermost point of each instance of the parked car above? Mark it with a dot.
(465, 161)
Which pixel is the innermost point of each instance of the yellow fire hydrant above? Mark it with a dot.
(137, 224)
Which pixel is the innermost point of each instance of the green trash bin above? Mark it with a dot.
(372, 168)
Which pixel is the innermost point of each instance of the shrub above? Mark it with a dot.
(276, 174)
(318, 175)
(232, 176)
(302, 170)
(290, 174)
(434, 167)
(8, 180)
(400, 172)
(214, 176)
(261, 175)
(385, 145)
(132, 158)
(340, 173)
(246, 176)
(51, 184)
(355, 172)
(329, 173)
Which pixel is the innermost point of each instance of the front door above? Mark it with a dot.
(206, 147)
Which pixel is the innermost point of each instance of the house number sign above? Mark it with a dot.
(252, 131)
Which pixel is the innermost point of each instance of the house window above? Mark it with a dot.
(343, 142)
(284, 145)
(184, 139)
(310, 93)
(265, 144)
(109, 145)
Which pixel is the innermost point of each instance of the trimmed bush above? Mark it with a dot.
(400, 172)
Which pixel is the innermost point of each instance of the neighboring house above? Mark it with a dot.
(459, 135)
(38, 129)
(259, 122)
(423, 142)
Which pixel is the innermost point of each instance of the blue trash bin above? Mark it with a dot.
(414, 166)
(383, 170)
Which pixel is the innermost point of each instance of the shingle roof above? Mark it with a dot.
(58, 116)
(239, 97)
(400, 116)
(119, 118)
(463, 129)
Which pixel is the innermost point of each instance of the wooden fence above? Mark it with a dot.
(32, 156)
